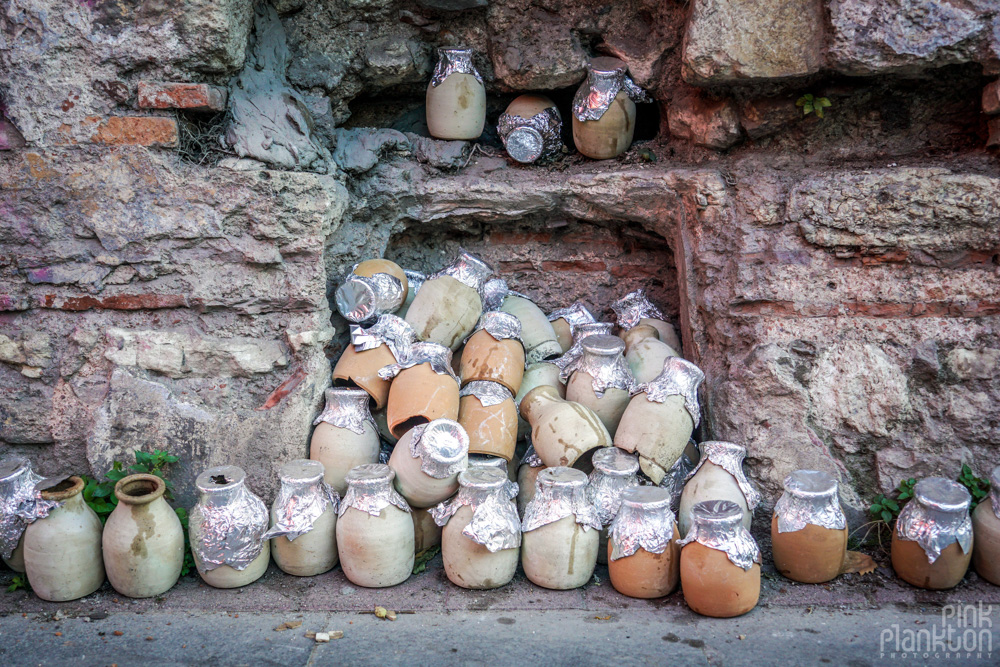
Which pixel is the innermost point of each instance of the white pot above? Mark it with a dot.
(469, 564)
(336, 441)
(657, 431)
(376, 551)
(445, 311)
(560, 555)
(539, 338)
(442, 448)
(609, 408)
(299, 506)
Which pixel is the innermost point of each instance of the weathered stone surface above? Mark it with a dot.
(189, 96)
(993, 126)
(764, 116)
(10, 137)
(991, 98)
(359, 150)
(452, 5)
(704, 122)
(534, 49)
(728, 41)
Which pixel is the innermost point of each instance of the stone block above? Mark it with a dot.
(729, 41)
(188, 96)
(763, 116)
(10, 137)
(704, 122)
(993, 127)
(991, 98)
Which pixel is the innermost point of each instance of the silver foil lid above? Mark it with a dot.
(488, 393)
(574, 315)
(395, 332)
(494, 522)
(810, 497)
(438, 356)
(532, 139)
(531, 458)
(644, 520)
(494, 291)
(468, 270)
(718, 524)
(369, 489)
(560, 492)
(346, 407)
(415, 280)
(937, 516)
(728, 456)
(500, 325)
(361, 298)
(302, 499)
(228, 523)
(455, 60)
(442, 446)
(575, 351)
(604, 361)
(995, 490)
(614, 471)
(674, 480)
(633, 307)
(605, 79)
(494, 463)
(20, 504)
(679, 377)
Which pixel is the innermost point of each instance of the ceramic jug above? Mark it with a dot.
(601, 380)
(448, 306)
(565, 320)
(531, 129)
(535, 375)
(614, 471)
(809, 529)
(372, 349)
(494, 352)
(563, 433)
(304, 520)
(373, 288)
(456, 97)
(986, 528)
(604, 110)
(718, 476)
(932, 542)
(575, 351)
(17, 491)
(427, 460)
(645, 353)
(537, 334)
(345, 435)
(425, 388)
(635, 309)
(488, 414)
(642, 551)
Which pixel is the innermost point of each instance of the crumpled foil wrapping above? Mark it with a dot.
(614, 471)
(455, 60)
(494, 463)
(679, 377)
(369, 489)
(348, 408)
(604, 361)
(531, 459)
(442, 446)
(488, 393)
(728, 456)
(718, 524)
(302, 499)
(438, 356)
(575, 351)
(560, 492)
(605, 79)
(574, 315)
(674, 480)
(633, 307)
(361, 298)
(644, 520)
(467, 269)
(494, 522)
(415, 280)
(494, 291)
(937, 515)
(228, 523)
(500, 325)
(532, 139)
(20, 504)
(810, 497)
(395, 332)
(995, 490)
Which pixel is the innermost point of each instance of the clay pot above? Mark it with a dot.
(642, 552)
(62, 552)
(537, 334)
(808, 528)
(494, 354)
(565, 319)
(448, 306)
(666, 330)
(17, 484)
(456, 106)
(719, 476)
(645, 353)
(345, 436)
(361, 369)
(492, 427)
(471, 565)
(986, 526)
(143, 542)
(304, 503)
(602, 368)
(614, 472)
(415, 281)
(382, 425)
(662, 414)
(420, 394)
(527, 136)
(644, 574)
(610, 135)
(375, 536)
(427, 460)
(375, 287)
(536, 375)
(937, 560)
(494, 462)
(563, 433)
(426, 533)
(370, 267)
(527, 477)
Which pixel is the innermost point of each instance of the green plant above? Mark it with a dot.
(424, 557)
(19, 582)
(978, 487)
(810, 104)
(884, 509)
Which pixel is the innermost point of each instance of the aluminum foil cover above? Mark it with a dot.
(718, 524)
(810, 497)
(574, 315)
(679, 377)
(302, 499)
(614, 471)
(995, 490)
(531, 458)
(644, 520)
(500, 325)
(603, 360)
(605, 79)
(494, 463)
(468, 270)
(228, 523)
(348, 408)
(456, 60)
(560, 492)
(488, 393)
(442, 446)
(415, 280)
(362, 298)
(633, 307)
(532, 139)
(494, 522)
(369, 489)
(728, 456)
(937, 516)
(438, 356)
(494, 291)
(20, 505)
(576, 350)
(395, 332)
(674, 480)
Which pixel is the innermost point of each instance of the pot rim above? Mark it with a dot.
(65, 494)
(160, 487)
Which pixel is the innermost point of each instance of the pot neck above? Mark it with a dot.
(537, 399)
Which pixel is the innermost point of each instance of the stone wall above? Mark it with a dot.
(183, 184)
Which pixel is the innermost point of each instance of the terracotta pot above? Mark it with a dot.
(492, 429)
(336, 441)
(456, 106)
(668, 334)
(614, 472)
(536, 375)
(495, 462)
(711, 482)
(910, 564)
(382, 426)
(427, 460)
(299, 506)
(370, 267)
(713, 586)
(986, 549)
(563, 433)
(62, 552)
(420, 395)
(426, 533)
(937, 559)
(360, 369)
(143, 542)
(486, 358)
(642, 552)
(537, 334)
(812, 555)
(644, 574)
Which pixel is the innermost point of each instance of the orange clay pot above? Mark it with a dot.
(419, 395)
(370, 267)
(811, 555)
(713, 586)
(361, 369)
(911, 565)
(645, 574)
(492, 430)
(986, 546)
(486, 358)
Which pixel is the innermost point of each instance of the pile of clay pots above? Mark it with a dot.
(448, 383)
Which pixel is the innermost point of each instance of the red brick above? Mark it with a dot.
(120, 131)
(190, 96)
(580, 265)
(991, 98)
(994, 139)
(120, 302)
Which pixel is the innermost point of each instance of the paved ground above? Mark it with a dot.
(840, 624)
